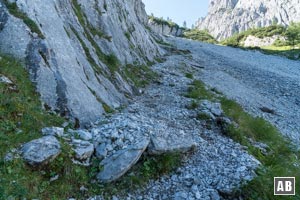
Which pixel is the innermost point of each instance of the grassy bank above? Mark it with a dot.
(22, 118)
(281, 158)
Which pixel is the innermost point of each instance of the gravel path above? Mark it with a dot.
(216, 167)
(254, 80)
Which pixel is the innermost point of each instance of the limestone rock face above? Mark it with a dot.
(226, 17)
(164, 29)
(74, 63)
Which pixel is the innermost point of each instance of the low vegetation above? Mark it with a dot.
(140, 75)
(237, 39)
(280, 159)
(199, 35)
(290, 47)
(15, 11)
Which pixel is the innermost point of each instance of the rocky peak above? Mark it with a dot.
(226, 17)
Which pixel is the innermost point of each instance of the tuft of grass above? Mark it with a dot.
(15, 11)
(140, 75)
(127, 35)
(203, 116)
(197, 90)
(193, 105)
(200, 35)
(189, 75)
(107, 109)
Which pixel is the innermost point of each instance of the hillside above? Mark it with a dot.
(82, 54)
(227, 17)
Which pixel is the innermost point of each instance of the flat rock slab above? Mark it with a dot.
(168, 142)
(119, 163)
(41, 151)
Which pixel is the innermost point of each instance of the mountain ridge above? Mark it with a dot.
(227, 17)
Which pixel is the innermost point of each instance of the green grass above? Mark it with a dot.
(286, 51)
(20, 109)
(282, 158)
(15, 11)
(199, 35)
(189, 75)
(140, 75)
(198, 91)
(21, 119)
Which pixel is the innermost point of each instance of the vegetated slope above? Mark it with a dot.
(75, 50)
(199, 35)
(275, 39)
(227, 17)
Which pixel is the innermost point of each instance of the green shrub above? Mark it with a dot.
(199, 35)
(140, 75)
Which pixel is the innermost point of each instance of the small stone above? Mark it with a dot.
(85, 135)
(54, 178)
(8, 157)
(101, 151)
(53, 131)
(82, 189)
(83, 149)
(180, 196)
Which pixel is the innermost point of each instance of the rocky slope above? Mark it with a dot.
(226, 17)
(75, 50)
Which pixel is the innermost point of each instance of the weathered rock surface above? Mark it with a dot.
(165, 29)
(83, 149)
(119, 163)
(53, 131)
(226, 17)
(72, 65)
(166, 142)
(41, 151)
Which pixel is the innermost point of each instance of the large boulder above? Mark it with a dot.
(119, 163)
(41, 151)
(166, 142)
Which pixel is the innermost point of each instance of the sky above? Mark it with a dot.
(178, 10)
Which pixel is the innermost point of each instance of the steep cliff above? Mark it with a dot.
(226, 17)
(75, 50)
(164, 27)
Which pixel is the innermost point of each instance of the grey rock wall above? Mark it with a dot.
(226, 17)
(71, 66)
(164, 29)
